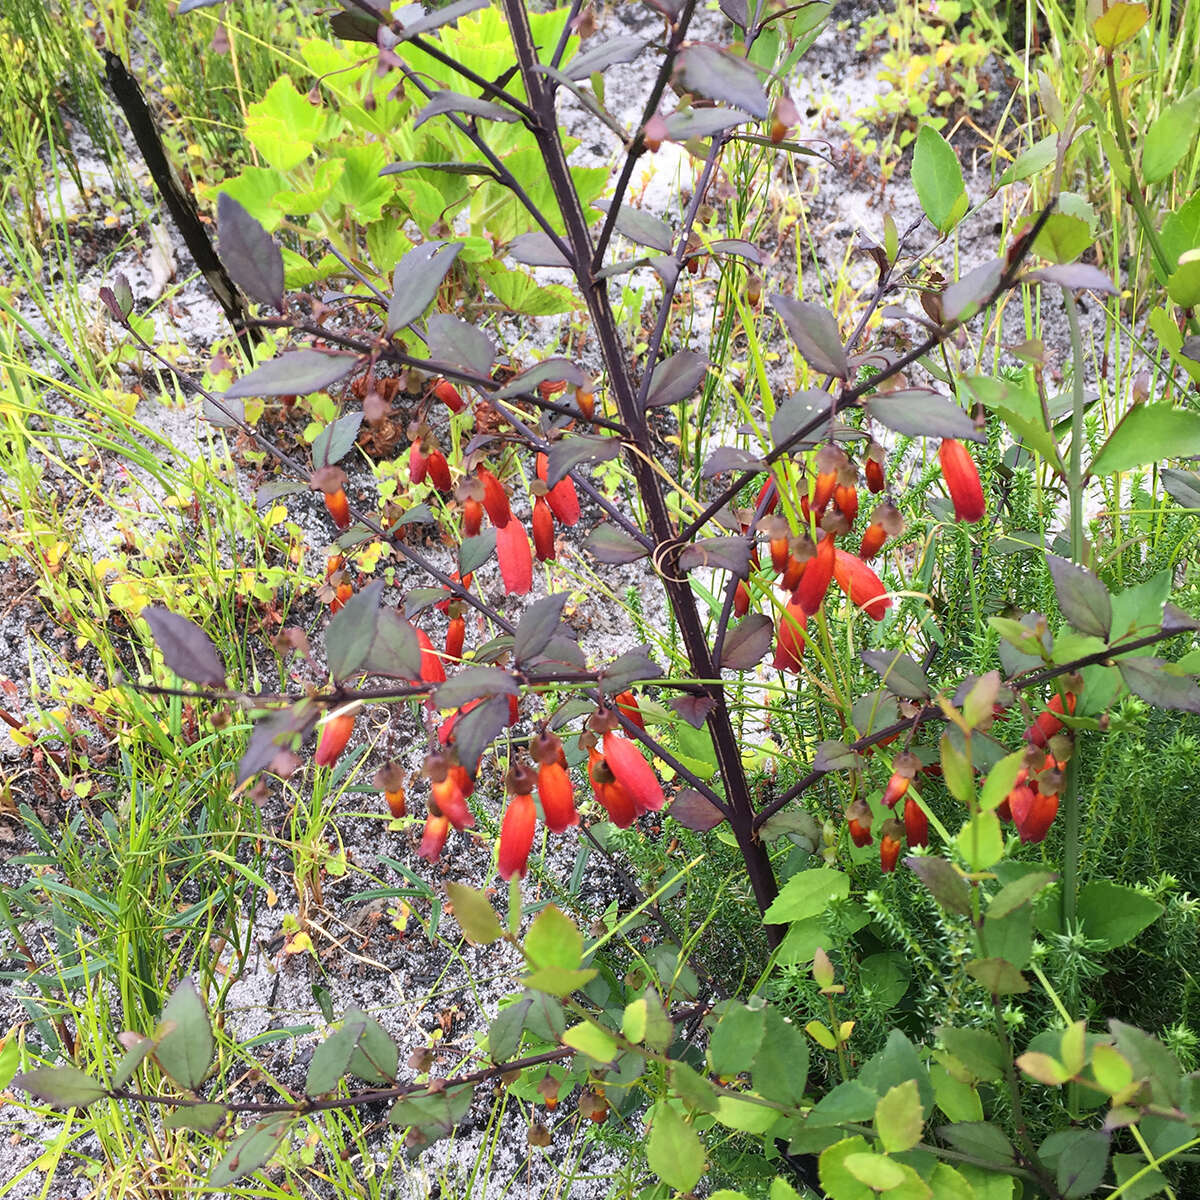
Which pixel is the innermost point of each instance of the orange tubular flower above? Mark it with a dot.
(585, 401)
(861, 584)
(858, 820)
(562, 497)
(455, 636)
(418, 464)
(627, 703)
(472, 512)
(557, 797)
(916, 823)
(389, 779)
(818, 571)
(449, 800)
(495, 498)
(433, 839)
(432, 670)
(438, 471)
(516, 560)
(335, 733)
(872, 541)
(617, 802)
(897, 788)
(449, 395)
(874, 473)
(633, 773)
(845, 496)
(789, 638)
(516, 836)
(826, 486)
(1047, 723)
(543, 529)
(962, 480)
(344, 592)
(741, 599)
(339, 507)
(1033, 812)
(890, 845)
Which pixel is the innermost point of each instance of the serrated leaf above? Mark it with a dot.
(807, 894)
(674, 1151)
(249, 253)
(416, 280)
(1114, 914)
(938, 179)
(251, 1149)
(296, 373)
(474, 914)
(184, 1039)
(676, 378)
(815, 332)
(1148, 678)
(186, 648)
(1084, 600)
(917, 412)
(998, 975)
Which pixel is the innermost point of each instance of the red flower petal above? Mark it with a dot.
(627, 703)
(495, 498)
(516, 836)
(516, 559)
(818, 571)
(916, 823)
(562, 497)
(861, 584)
(334, 736)
(962, 480)
(433, 838)
(633, 773)
(557, 797)
(543, 529)
(339, 508)
(789, 638)
(432, 670)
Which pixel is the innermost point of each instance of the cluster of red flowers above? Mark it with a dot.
(893, 834)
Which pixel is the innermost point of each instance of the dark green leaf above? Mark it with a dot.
(184, 1037)
(351, 632)
(475, 551)
(434, 1116)
(336, 440)
(249, 253)
(538, 624)
(251, 1149)
(611, 545)
(394, 650)
(1147, 434)
(901, 675)
(331, 1059)
(736, 1039)
(780, 1069)
(476, 730)
(938, 179)
(1114, 914)
(375, 1058)
(504, 1033)
(1010, 897)
(981, 1140)
(1148, 677)
(707, 71)
(416, 280)
(64, 1087)
(1084, 600)
(944, 883)
(815, 332)
(570, 452)
(1079, 1158)
(296, 373)
(474, 683)
(459, 344)
(634, 666)
(917, 412)
(998, 975)
(978, 1050)
(447, 101)
(204, 1118)
(186, 648)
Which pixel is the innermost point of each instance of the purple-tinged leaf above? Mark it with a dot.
(1182, 486)
(474, 683)
(538, 624)
(1175, 619)
(435, 18)
(332, 1057)
(731, 246)
(251, 1149)
(815, 332)
(394, 650)
(1000, 978)
(419, 514)
(747, 643)
(475, 551)
(249, 253)
(187, 6)
(873, 711)
(1149, 679)
(230, 414)
(476, 730)
(203, 1118)
(570, 452)
(694, 811)
(119, 297)
(356, 26)
(687, 123)
(942, 882)
(640, 227)
(277, 489)
(471, 106)
(621, 49)
(833, 755)
(494, 650)
(962, 299)
(798, 411)
(730, 458)
(901, 675)
(296, 373)
(693, 709)
(351, 632)
(562, 652)
(450, 168)
(917, 412)
(634, 666)
(458, 344)
(665, 267)
(719, 554)
(272, 739)
(419, 599)
(336, 440)
(716, 74)
(611, 545)
(676, 378)
(1083, 599)
(1077, 275)
(536, 250)
(64, 1087)
(186, 648)
(737, 12)
(416, 280)
(548, 370)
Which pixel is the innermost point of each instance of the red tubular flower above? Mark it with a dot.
(741, 598)
(543, 529)
(792, 573)
(455, 636)
(449, 800)
(1047, 723)
(438, 471)
(858, 821)
(557, 797)
(617, 802)
(627, 703)
(562, 497)
(495, 498)
(516, 560)
(826, 485)
(472, 512)
(872, 541)
(344, 592)
(335, 733)
(845, 496)
(773, 503)
(432, 670)
(433, 839)
(916, 823)
(874, 473)
(962, 480)
(339, 507)
(789, 638)
(890, 845)
(516, 836)
(417, 462)
(897, 788)
(1032, 812)
(633, 773)
(818, 571)
(448, 394)
(861, 584)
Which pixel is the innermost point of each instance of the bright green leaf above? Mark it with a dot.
(938, 180)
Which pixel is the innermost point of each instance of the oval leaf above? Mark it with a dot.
(185, 647)
(815, 332)
(249, 253)
(416, 280)
(296, 373)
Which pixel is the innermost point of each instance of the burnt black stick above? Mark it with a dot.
(179, 202)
